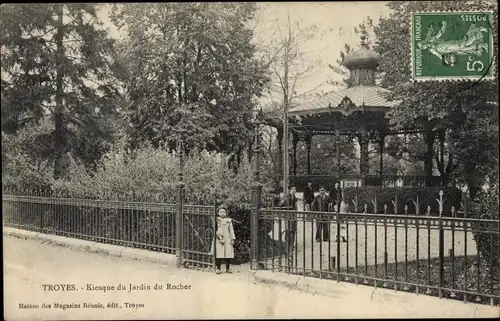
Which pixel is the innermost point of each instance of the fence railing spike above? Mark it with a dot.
(417, 206)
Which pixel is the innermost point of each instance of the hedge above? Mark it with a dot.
(486, 206)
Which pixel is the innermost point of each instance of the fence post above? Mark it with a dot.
(338, 247)
(356, 199)
(42, 195)
(256, 202)
(180, 193)
(214, 224)
(441, 245)
(466, 206)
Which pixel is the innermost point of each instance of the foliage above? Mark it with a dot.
(405, 196)
(150, 176)
(187, 64)
(463, 109)
(476, 148)
(22, 173)
(323, 156)
(23, 155)
(152, 173)
(486, 207)
(57, 62)
(410, 147)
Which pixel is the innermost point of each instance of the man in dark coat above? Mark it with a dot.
(320, 204)
(335, 196)
(277, 190)
(308, 197)
(290, 202)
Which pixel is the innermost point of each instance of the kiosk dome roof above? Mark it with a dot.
(362, 58)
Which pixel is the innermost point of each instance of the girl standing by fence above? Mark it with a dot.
(224, 240)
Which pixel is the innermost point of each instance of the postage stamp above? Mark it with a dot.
(451, 46)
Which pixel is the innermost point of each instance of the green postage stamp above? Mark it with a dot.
(451, 46)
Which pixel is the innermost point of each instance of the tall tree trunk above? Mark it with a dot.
(441, 152)
(270, 145)
(184, 78)
(473, 187)
(280, 151)
(58, 112)
(250, 145)
(449, 168)
(429, 137)
(444, 169)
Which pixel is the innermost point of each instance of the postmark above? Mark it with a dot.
(451, 46)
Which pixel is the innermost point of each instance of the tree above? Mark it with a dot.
(186, 66)
(289, 66)
(446, 109)
(322, 156)
(57, 63)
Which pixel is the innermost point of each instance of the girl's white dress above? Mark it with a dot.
(223, 236)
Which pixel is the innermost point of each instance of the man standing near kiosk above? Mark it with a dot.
(335, 199)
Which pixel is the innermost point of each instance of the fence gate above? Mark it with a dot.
(197, 237)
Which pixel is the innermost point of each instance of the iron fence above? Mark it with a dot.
(141, 224)
(144, 225)
(198, 234)
(421, 254)
(418, 251)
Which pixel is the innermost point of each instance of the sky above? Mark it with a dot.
(335, 22)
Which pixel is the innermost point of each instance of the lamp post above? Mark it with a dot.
(255, 197)
(286, 158)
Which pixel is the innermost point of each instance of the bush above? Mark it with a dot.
(405, 196)
(23, 174)
(24, 163)
(241, 222)
(151, 175)
(241, 216)
(486, 207)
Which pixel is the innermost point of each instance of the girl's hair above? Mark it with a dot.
(222, 207)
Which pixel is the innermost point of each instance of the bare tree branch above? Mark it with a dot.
(309, 91)
(280, 79)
